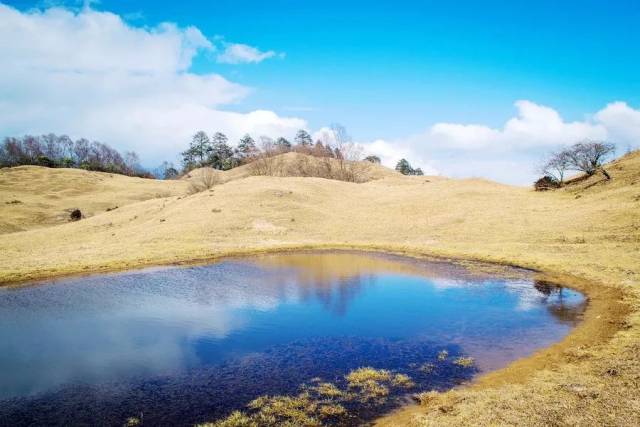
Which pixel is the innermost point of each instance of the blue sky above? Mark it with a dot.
(390, 70)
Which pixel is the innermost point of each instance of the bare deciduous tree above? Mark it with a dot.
(345, 164)
(556, 165)
(589, 156)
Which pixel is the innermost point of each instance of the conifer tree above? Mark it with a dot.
(247, 146)
(303, 138)
(283, 144)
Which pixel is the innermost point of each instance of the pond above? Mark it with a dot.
(183, 345)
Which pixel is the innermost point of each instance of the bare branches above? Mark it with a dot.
(586, 156)
(51, 150)
(556, 166)
(589, 156)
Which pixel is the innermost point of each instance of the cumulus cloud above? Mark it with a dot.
(90, 73)
(622, 123)
(237, 53)
(511, 153)
(390, 152)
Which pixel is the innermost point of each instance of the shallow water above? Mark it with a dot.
(188, 344)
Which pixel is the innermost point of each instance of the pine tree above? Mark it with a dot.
(372, 159)
(303, 138)
(283, 144)
(404, 167)
(247, 146)
(221, 152)
(200, 146)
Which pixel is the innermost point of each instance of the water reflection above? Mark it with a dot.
(219, 335)
(561, 306)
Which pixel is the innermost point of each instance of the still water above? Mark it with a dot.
(182, 345)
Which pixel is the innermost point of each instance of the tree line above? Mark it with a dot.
(52, 150)
(217, 153)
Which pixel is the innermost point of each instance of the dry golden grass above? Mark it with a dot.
(587, 235)
(35, 197)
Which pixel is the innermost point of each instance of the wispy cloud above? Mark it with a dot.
(238, 53)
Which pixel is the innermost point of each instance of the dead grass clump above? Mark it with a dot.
(402, 381)
(372, 385)
(465, 362)
(363, 375)
(236, 419)
(205, 179)
(328, 390)
(332, 410)
(369, 383)
(276, 410)
(132, 422)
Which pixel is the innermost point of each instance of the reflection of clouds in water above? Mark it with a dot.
(125, 323)
(139, 322)
(156, 321)
(528, 296)
(563, 303)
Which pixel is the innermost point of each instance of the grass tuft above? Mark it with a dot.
(465, 362)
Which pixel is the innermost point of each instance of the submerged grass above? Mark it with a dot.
(465, 362)
(322, 402)
(587, 235)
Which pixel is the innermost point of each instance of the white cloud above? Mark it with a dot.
(324, 135)
(511, 153)
(391, 152)
(91, 74)
(622, 123)
(237, 53)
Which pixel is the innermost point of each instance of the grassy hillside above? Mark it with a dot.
(588, 234)
(35, 197)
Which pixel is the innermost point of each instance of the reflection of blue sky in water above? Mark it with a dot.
(170, 321)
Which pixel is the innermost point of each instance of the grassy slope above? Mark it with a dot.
(590, 231)
(34, 197)
(45, 197)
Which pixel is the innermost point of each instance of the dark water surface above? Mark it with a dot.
(189, 344)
